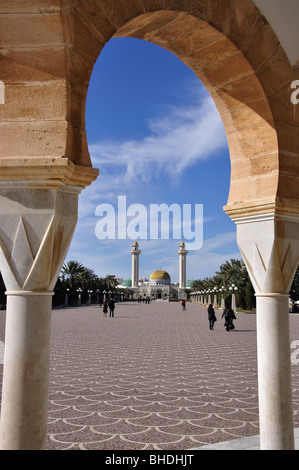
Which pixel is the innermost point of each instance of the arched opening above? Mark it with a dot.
(237, 92)
(157, 137)
(45, 143)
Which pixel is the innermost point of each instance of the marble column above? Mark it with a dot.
(270, 247)
(37, 220)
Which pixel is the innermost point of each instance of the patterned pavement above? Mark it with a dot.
(154, 377)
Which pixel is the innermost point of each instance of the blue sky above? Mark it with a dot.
(156, 137)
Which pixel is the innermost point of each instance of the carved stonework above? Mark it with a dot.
(36, 228)
(270, 247)
(38, 215)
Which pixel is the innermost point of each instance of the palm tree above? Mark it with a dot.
(235, 272)
(231, 272)
(72, 272)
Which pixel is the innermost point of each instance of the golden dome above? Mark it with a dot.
(160, 275)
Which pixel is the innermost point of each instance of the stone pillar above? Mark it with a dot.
(37, 220)
(135, 252)
(270, 247)
(182, 265)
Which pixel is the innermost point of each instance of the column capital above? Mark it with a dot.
(36, 228)
(269, 244)
(52, 172)
(263, 207)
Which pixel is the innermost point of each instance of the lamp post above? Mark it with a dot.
(66, 298)
(233, 288)
(222, 290)
(209, 297)
(215, 297)
(79, 290)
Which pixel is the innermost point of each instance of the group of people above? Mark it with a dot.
(146, 299)
(228, 315)
(111, 305)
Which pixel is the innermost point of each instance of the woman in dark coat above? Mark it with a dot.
(105, 308)
(229, 316)
(211, 316)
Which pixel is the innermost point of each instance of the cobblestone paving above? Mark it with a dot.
(152, 378)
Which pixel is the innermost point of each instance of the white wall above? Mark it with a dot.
(283, 15)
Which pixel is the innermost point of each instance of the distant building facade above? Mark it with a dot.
(158, 286)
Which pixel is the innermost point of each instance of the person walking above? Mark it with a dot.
(105, 308)
(229, 316)
(183, 305)
(111, 306)
(211, 316)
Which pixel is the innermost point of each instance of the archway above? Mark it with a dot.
(235, 53)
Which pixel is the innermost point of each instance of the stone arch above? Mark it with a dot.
(229, 45)
(47, 53)
(234, 52)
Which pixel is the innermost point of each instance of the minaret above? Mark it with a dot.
(183, 253)
(135, 264)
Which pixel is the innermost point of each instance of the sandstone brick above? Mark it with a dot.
(253, 190)
(103, 23)
(37, 65)
(33, 139)
(77, 148)
(31, 30)
(219, 13)
(258, 165)
(207, 55)
(263, 40)
(153, 5)
(232, 69)
(120, 12)
(92, 14)
(85, 39)
(29, 6)
(198, 8)
(241, 117)
(146, 26)
(243, 18)
(288, 186)
(76, 110)
(282, 106)
(36, 101)
(80, 74)
(179, 5)
(246, 90)
(288, 138)
(289, 163)
(275, 73)
(256, 139)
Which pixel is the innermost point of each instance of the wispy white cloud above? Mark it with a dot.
(178, 139)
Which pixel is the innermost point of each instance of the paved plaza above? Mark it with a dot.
(154, 377)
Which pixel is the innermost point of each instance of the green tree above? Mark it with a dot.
(71, 273)
(231, 272)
